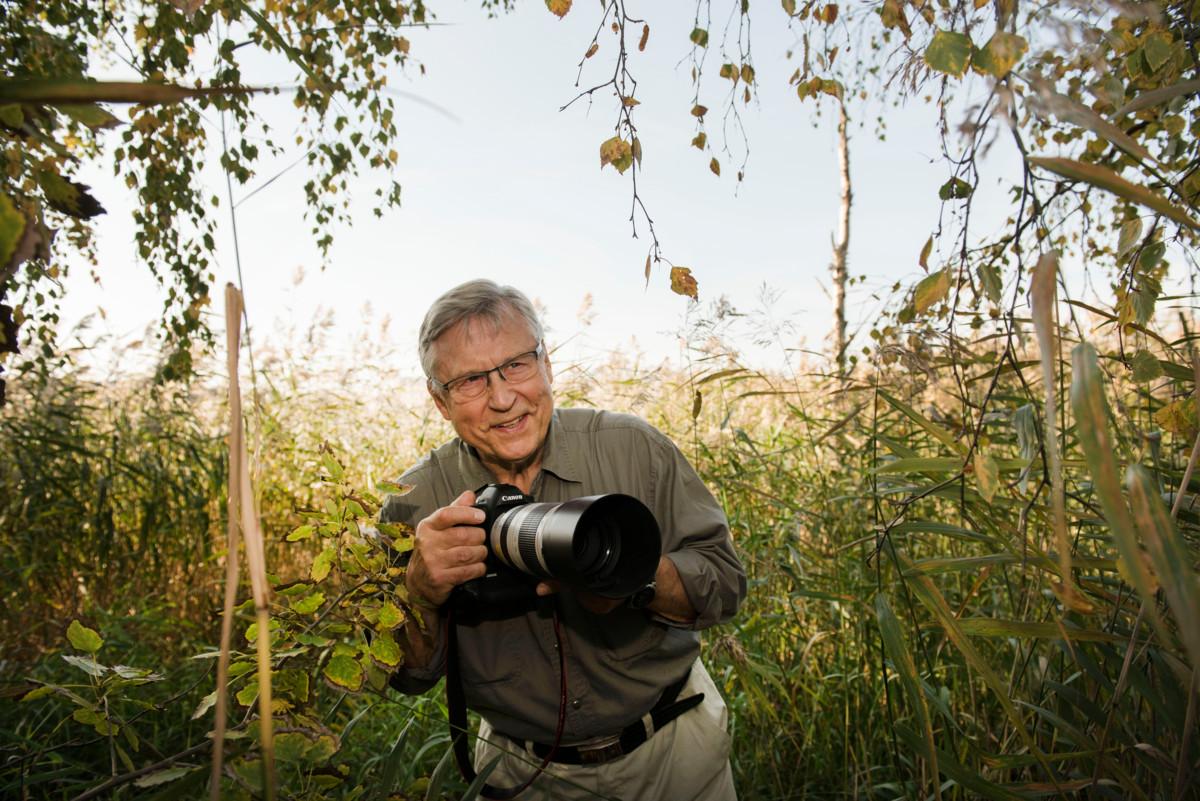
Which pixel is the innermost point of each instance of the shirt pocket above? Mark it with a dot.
(628, 633)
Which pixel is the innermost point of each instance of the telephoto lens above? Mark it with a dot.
(605, 544)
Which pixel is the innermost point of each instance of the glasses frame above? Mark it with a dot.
(447, 388)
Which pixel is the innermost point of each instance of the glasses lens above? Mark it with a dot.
(467, 387)
(520, 368)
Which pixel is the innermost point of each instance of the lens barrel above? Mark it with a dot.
(606, 544)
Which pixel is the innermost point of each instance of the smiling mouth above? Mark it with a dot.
(510, 425)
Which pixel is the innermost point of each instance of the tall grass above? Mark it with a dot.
(906, 633)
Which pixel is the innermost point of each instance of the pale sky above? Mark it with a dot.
(500, 184)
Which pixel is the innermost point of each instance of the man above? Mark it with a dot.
(482, 349)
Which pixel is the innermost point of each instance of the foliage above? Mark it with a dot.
(189, 57)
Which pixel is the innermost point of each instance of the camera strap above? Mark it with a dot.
(456, 708)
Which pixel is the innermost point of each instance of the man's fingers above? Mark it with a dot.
(466, 499)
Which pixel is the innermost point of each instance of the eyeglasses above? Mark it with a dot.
(470, 386)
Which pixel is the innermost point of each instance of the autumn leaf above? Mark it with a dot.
(930, 290)
(699, 37)
(1000, 54)
(924, 259)
(715, 166)
(699, 111)
(617, 152)
(699, 140)
(949, 52)
(645, 38)
(559, 8)
(682, 283)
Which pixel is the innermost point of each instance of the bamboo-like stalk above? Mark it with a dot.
(1042, 296)
(242, 510)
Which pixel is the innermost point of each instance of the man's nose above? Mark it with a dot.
(500, 392)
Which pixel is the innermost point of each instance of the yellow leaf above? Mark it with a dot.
(682, 283)
(617, 152)
(559, 8)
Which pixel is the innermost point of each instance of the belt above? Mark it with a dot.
(663, 712)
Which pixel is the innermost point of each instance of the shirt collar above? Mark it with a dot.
(558, 458)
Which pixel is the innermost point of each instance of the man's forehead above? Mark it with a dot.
(460, 342)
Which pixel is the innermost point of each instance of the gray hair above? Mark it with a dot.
(478, 299)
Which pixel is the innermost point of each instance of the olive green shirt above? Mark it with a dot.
(616, 664)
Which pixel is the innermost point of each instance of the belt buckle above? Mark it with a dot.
(601, 753)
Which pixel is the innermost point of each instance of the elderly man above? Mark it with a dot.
(625, 661)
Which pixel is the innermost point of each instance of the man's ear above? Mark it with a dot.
(438, 401)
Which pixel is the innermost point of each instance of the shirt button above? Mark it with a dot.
(575, 704)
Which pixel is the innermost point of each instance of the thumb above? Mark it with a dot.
(466, 499)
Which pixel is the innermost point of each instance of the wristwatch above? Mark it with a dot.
(642, 597)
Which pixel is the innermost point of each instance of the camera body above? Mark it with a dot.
(604, 544)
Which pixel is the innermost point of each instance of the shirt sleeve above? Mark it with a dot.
(696, 538)
(410, 508)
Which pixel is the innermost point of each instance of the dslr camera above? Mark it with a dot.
(608, 545)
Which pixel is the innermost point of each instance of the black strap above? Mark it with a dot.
(456, 713)
(663, 712)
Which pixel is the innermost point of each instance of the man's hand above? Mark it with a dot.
(448, 550)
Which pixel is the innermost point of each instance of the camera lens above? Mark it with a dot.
(606, 544)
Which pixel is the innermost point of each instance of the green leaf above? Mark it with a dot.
(1145, 367)
(1001, 53)
(301, 533)
(955, 189)
(344, 672)
(939, 433)
(385, 651)
(1104, 178)
(163, 776)
(68, 196)
(390, 615)
(12, 116)
(932, 289)
(12, 226)
(206, 703)
(1131, 234)
(990, 280)
(900, 654)
(699, 37)
(247, 694)
(82, 638)
(90, 114)
(309, 603)
(38, 692)
(323, 564)
(949, 52)
(86, 664)
(1172, 560)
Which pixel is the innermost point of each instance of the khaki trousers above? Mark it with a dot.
(687, 760)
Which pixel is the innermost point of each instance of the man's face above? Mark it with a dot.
(508, 423)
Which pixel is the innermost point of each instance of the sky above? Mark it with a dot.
(499, 183)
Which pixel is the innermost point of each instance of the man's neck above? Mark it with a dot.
(520, 474)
